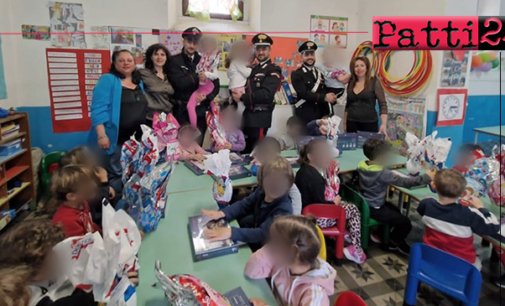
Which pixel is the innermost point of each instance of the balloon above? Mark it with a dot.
(495, 62)
(492, 55)
(476, 60)
(486, 67)
(485, 57)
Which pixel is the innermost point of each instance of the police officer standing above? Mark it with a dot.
(258, 98)
(314, 101)
(185, 80)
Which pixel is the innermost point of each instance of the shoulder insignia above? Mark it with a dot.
(275, 74)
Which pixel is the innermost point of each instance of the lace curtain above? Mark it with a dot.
(201, 9)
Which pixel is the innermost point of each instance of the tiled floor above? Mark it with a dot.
(381, 280)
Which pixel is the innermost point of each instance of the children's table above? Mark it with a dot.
(171, 244)
(490, 130)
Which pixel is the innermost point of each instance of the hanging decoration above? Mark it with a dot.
(485, 61)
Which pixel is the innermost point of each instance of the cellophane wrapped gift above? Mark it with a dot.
(155, 184)
(101, 264)
(130, 156)
(187, 290)
(218, 165)
(165, 128)
(217, 133)
(331, 127)
(436, 150)
(332, 181)
(415, 153)
(481, 175)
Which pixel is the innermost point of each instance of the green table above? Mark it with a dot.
(491, 130)
(171, 244)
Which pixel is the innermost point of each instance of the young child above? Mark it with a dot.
(72, 187)
(237, 63)
(190, 150)
(335, 74)
(465, 157)
(229, 120)
(294, 129)
(374, 180)
(28, 248)
(261, 207)
(83, 156)
(13, 286)
(317, 127)
(269, 149)
(315, 158)
(207, 71)
(449, 225)
(290, 259)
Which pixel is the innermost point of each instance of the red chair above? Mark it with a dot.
(328, 211)
(349, 298)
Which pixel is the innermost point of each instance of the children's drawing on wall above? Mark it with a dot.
(121, 36)
(224, 42)
(173, 41)
(454, 69)
(404, 115)
(138, 55)
(35, 32)
(100, 37)
(67, 25)
(3, 88)
(339, 40)
(326, 30)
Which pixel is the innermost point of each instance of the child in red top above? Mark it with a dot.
(72, 186)
(466, 157)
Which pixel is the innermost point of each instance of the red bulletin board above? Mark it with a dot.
(72, 75)
(285, 53)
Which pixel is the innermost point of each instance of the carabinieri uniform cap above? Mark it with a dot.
(192, 34)
(307, 46)
(262, 39)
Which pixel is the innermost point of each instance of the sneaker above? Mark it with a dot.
(347, 237)
(352, 254)
(500, 281)
(375, 238)
(402, 248)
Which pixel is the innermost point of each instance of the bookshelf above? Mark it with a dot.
(17, 189)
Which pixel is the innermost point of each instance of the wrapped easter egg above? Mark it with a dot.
(496, 191)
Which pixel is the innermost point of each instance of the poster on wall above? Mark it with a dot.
(67, 25)
(171, 40)
(284, 53)
(324, 30)
(3, 88)
(451, 106)
(35, 32)
(134, 40)
(454, 69)
(72, 75)
(405, 114)
(100, 37)
(224, 42)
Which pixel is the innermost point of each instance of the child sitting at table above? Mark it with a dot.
(290, 258)
(269, 149)
(230, 122)
(317, 127)
(85, 157)
(189, 148)
(374, 181)
(294, 129)
(450, 226)
(268, 201)
(28, 248)
(466, 157)
(315, 158)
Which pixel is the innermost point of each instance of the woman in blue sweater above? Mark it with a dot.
(118, 109)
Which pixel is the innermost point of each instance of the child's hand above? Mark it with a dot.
(258, 302)
(202, 77)
(431, 173)
(330, 97)
(134, 278)
(213, 214)
(112, 193)
(102, 174)
(337, 200)
(198, 157)
(218, 233)
(323, 130)
(475, 202)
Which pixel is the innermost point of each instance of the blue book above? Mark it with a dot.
(287, 90)
(204, 248)
(364, 136)
(347, 141)
(237, 297)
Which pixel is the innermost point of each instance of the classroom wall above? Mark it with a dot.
(9, 51)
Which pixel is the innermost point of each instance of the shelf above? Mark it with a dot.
(11, 118)
(23, 207)
(12, 173)
(14, 193)
(4, 159)
(12, 137)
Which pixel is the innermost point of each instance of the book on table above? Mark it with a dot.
(238, 171)
(237, 161)
(237, 297)
(347, 141)
(364, 136)
(204, 248)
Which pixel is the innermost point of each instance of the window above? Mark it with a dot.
(214, 9)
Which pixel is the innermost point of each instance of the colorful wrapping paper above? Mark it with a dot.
(217, 133)
(431, 152)
(165, 128)
(218, 165)
(332, 182)
(331, 126)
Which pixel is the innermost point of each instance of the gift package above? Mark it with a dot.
(332, 181)
(217, 133)
(204, 248)
(165, 128)
(496, 189)
(332, 125)
(429, 153)
(218, 165)
(101, 264)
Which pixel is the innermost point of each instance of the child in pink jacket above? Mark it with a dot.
(290, 259)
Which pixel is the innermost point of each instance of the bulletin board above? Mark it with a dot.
(72, 75)
(224, 42)
(285, 53)
(136, 40)
(172, 40)
(3, 89)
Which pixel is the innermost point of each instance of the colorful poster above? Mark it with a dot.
(326, 30)
(134, 40)
(224, 42)
(72, 77)
(67, 25)
(285, 53)
(171, 40)
(454, 69)
(3, 88)
(100, 37)
(35, 32)
(405, 114)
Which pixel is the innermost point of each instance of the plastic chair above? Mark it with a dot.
(338, 231)
(48, 166)
(322, 251)
(351, 196)
(349, 298)
(445, 272)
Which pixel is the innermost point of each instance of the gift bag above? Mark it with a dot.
(187, 290)
(130, 155)
(217, 133)
(331, 126)
(165, 128)
(332, 182)
(218, 165)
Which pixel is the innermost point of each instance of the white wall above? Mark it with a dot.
(9, 54)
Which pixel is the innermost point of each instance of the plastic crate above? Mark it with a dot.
(10, 148)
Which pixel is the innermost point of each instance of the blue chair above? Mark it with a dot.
(447, 273)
